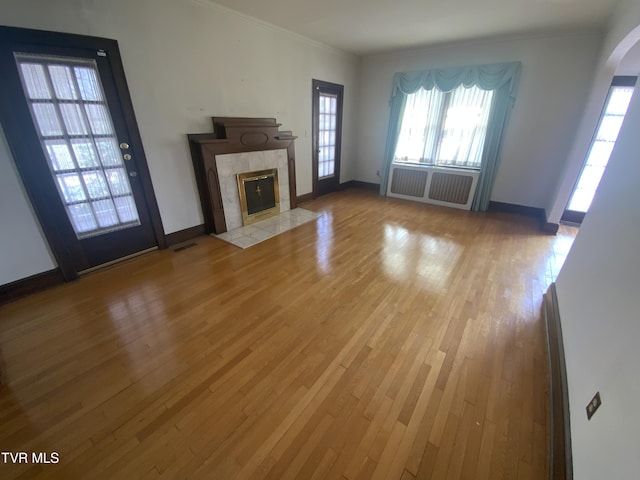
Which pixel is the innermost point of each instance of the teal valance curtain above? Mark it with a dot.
(502, 78)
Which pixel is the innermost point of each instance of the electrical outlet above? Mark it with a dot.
(593, 405)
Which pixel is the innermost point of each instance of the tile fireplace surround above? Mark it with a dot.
(229, 165)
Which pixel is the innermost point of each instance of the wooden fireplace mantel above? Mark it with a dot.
(235, 135)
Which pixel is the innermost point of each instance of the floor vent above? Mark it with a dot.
(184, 247)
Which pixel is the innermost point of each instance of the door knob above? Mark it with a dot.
(124, 145)
(133, 174)
(126, 156)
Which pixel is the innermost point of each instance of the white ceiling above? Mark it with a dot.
(367, 26)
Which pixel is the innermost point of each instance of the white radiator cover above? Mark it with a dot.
(449, 187)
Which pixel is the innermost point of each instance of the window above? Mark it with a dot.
(444, 129)
(601, 146)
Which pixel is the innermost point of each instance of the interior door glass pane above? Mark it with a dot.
(59, 155)
(118, 182)
(63, 82)
(96, 184)
(105, 212)
(73, 119)
(126, 209)
(90, 89)
(71, 187)
(47, 119)
(82, 217)
(109, 152)
(35, 82)
(85, 153)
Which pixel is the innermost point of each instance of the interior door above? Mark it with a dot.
(69, 122)
(327, 136)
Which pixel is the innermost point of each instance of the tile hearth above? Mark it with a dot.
(249, 235)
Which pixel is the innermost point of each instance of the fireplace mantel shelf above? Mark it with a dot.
(235, 135)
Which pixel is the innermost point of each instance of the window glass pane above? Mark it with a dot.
(35, 81)
(600, 153)
(99, 119)
(71, 187)
(90, 88)
(105, 212)
(126, 209)
(619, 100)
(109, 152)
(47, 119)
(85, 153)
(73, 119)
(609, 128)
(118, 181)
(96, 184)
(82, 217)
(59, 155)
(63, 82)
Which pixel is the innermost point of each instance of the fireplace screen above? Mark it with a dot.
(259, 195)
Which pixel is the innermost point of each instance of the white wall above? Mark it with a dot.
(186, 61)
(598, 295)
(23, 250)
(556, 75)
(600, 313)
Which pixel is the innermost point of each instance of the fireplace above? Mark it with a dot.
(259, 195)
(237, 146)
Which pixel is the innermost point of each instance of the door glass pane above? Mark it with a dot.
(82, 217)
(35, 83)
(46, 119)
(99, 119)
(328, 110)
(76, 131)
(63, 83)
(59, 155)
(73, 118)
(96, 184)
(71, 187)
(85, 153)
(109, 152)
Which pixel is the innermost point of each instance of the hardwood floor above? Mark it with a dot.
(385, 340)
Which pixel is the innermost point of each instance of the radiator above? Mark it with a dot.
(438, 185)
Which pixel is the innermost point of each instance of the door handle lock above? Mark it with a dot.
(124, 145)
(126, 156)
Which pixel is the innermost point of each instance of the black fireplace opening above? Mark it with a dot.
(260, 194)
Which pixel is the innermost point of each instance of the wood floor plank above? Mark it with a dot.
(387, 339)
